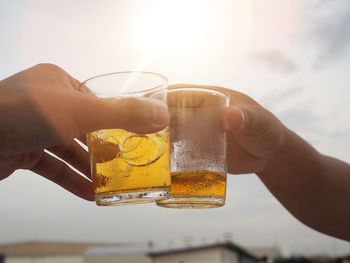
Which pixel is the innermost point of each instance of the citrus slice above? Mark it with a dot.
(141, 150)
(103, 151)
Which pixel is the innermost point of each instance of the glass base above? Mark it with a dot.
(137, 197)
(192, 202)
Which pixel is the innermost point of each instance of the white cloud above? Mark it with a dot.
(276, 60)
(329, 29)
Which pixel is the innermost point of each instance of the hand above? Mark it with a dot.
(43, 107)
(312, 186)
(254, 134)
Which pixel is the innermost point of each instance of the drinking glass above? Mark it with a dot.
(198, 148)
(127, 167)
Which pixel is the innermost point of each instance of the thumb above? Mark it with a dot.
(255, 129)
(139, 115)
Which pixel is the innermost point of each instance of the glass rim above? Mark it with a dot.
(149, 73)
(204, 89)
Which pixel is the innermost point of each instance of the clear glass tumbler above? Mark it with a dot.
(198, 148)
(127, 167)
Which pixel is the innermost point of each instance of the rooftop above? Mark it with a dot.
(226, 245)
(50, 248)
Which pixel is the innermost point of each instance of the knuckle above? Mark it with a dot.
(257, 121)
(29, 160)
(48, 66)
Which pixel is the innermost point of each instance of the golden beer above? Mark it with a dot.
(200, 183)
(201, 187)
(131, 164)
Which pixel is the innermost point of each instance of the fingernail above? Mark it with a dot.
(161, 113)
(243, 115)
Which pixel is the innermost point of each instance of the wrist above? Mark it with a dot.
(278, 155)
(294, 155)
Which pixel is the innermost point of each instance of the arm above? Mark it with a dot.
(315, 188)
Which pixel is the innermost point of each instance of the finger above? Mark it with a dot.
(59, 173)
(75, 155)
(255, 129)
(236, 97)
(83, 139)
(239, 160)
(21, 161)
(80, 87)
(190, 97)
(76, 84)
(234, 118)
(139, 115)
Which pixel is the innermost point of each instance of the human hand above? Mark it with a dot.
(311, 186)
(254, 134)
(43, 107)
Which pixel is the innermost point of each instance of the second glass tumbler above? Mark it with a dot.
(198, 148)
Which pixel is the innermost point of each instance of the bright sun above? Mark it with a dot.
(187, 27)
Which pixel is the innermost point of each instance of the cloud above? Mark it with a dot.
(275, 98)
(300, 119)
(330, 29)
(276, 60)
(292, 105)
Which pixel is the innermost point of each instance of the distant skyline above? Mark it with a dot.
(291, 56)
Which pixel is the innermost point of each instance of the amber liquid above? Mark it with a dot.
(123, 162)
(199, 183)
(196, 189)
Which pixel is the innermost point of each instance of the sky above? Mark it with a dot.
(292, 56)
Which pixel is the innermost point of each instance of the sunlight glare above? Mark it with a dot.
(203, 33)
(172, 25)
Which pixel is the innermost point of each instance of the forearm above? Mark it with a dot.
(313, 187)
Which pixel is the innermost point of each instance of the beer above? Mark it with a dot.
(128, 167)
(200, 183)
(123, 162)
(198, 189)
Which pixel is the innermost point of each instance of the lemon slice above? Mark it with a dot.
(103, 151)
(141, 150)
